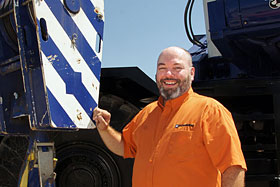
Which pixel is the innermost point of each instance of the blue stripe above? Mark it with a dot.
(70, 28)
(88, 8)
(58, 115)
(71, 78)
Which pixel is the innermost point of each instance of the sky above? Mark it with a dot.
(135, 31)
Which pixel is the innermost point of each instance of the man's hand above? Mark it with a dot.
(102, 118)
(111, 137)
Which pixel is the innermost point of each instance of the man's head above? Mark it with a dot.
(174, 72)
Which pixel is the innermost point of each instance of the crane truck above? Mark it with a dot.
(50, 82)
(51, 79)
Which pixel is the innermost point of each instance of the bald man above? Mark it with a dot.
(183, 138)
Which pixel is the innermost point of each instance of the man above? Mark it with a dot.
(183, 139)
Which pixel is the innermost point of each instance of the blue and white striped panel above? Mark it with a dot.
(71, 64)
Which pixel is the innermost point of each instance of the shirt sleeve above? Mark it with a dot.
(130, 147)
(221, 138)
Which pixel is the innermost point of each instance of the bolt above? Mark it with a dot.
(99, 14)
(96, 10)
(79, 115)
(16, 95)
(73, 40)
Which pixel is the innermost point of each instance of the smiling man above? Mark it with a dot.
(183, 139)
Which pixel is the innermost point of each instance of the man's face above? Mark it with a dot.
(174, 75)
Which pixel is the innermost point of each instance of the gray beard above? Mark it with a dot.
(168, 94)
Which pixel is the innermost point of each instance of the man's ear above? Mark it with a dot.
(192, 73)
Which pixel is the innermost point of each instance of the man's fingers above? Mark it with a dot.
(101, 124)
(102, 118)
(103, 113)
(96, 112)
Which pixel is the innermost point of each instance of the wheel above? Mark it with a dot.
(86, 165)
(12, 154)
(84, 160)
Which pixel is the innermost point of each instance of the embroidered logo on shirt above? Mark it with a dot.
(184, 125)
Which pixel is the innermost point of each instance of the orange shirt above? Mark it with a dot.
(188, 142)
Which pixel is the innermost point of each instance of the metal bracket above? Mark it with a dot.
(45, 156)
(2, 120)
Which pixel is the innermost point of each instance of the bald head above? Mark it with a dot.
(175, 52)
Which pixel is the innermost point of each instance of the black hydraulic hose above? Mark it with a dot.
(190, 26)
(190, 22)
(189, 31)
(186, 22)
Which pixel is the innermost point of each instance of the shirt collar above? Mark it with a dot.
(176, 102)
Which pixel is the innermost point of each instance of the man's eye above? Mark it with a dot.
(178, 68)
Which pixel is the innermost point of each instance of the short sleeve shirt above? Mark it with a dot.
(189, 141)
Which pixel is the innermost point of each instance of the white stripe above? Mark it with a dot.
(70, 53)
(87, 30)
(53, 124)
(68, 102)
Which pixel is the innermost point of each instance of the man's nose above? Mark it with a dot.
(169, 73)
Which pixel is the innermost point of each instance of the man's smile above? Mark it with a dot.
(169, 82)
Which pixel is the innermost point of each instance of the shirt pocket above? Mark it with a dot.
(180, 146)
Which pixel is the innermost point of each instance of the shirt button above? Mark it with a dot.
(150, 160)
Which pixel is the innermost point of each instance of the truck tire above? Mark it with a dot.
(84, 160)
(12, 150)
(82, 164)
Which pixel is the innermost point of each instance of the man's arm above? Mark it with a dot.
(111, 137)
(233, 177)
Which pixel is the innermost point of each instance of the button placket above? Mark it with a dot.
(161, 126)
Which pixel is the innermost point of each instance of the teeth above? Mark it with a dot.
(170, 83)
